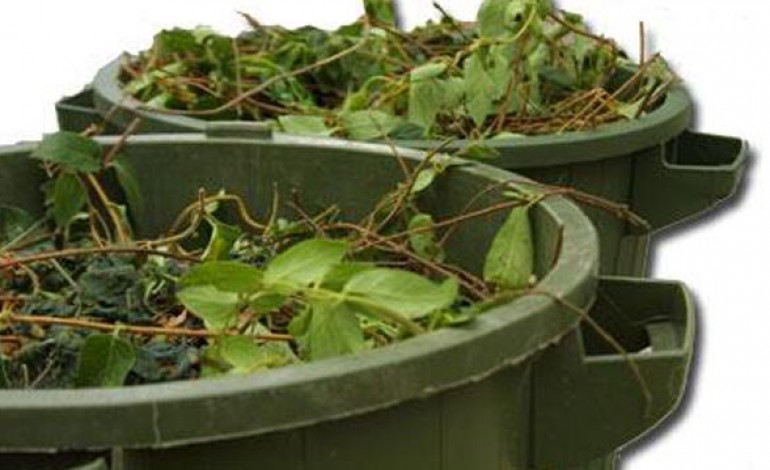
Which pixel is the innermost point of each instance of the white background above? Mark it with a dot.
(50, 48)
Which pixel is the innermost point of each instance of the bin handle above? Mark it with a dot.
(689, 175)
(588, 401)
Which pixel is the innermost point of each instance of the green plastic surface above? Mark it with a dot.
(653, 165)
(492, 395)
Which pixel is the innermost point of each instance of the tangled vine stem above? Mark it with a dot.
(10, 318)
(263, 86)
(80, 252)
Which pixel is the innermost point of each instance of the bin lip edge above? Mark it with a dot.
(576, 267)
(670, 119)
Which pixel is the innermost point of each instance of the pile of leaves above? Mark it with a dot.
(523, 68)
(85, 303)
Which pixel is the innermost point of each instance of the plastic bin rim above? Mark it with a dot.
(670, 119)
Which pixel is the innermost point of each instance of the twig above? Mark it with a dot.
(79, 252)
(131, 329)
(583, 32)
(22, 236)
(607, 337)
(238, 77)
(264, 86)
(120, 231)
(115, 150)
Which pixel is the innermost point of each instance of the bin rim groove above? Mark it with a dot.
(310, 393)
(617, 139)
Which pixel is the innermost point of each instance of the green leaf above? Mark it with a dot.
(427, 72)
(306, 263)
(369, 124)
(423, 238)
(333, 330)
(223, 238)
(424, 180)
(104, 361)
(478, 150)
(226, 276)
(305, 125)
(267, 302)
(300, 324)
(176, 41)
(126, 176)
(402, 292)
(339, 275)
(69, 198)
(510, 261)
(481, 90)
(13, 222)
(383, 11)
(245, 356)
(216, 307)
(630, 110)
(71, 151)
(429, 95)
(407, 131)
(492, 18)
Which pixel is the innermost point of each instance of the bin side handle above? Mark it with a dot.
(687, 176)
(589, 404)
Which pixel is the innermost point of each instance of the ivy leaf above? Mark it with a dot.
(305, 125)
(216, 307)
(226, 276)
(306, 263)
(71, 151)
(422, 238)
(13, 222)
(245, 356)
(402, 292)
(333, 330)
(69, 197)
(223, 238)
(104, 361)
(126, 176)
(510, 261)
(369, 124)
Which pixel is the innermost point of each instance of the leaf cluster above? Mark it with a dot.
(522, 68)
(85, 304)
